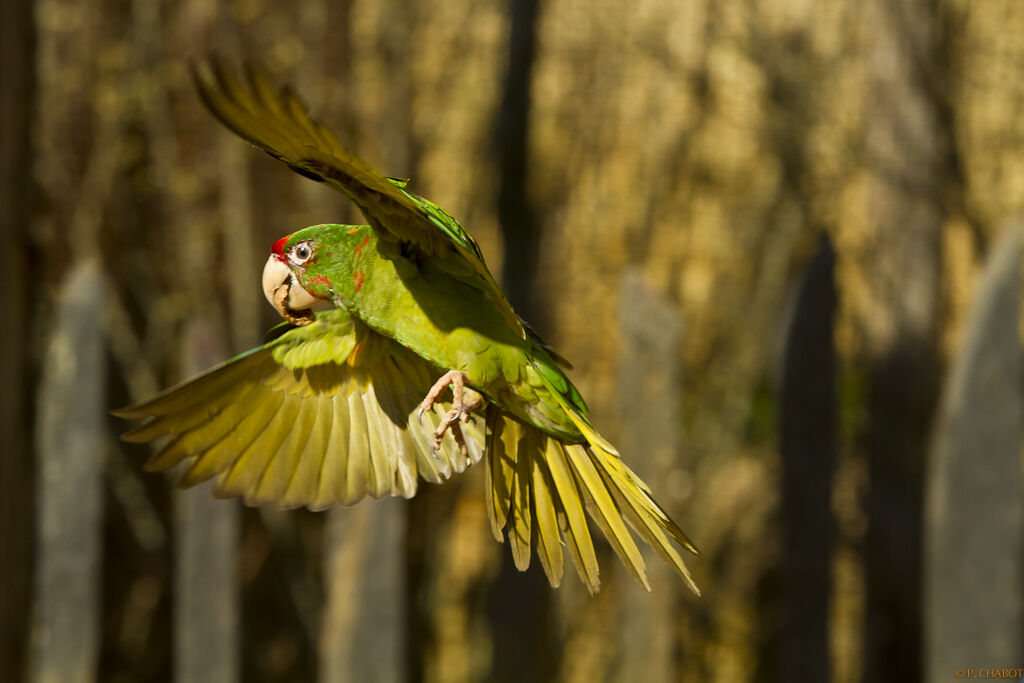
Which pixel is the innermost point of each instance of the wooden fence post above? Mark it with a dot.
(650, 381)
(70, 441)
(362, 632)
(974, 542)
(206, 601)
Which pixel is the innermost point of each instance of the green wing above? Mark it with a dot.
(279, 123)
(323, 414)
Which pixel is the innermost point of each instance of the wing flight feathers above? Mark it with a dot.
(301, 422)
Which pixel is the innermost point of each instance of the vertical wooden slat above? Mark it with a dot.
(362, 633)
(975, 504)
(807, 443)
(70, 441)
(649, 393)
(206, 605)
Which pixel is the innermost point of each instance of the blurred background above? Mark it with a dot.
(776, 238)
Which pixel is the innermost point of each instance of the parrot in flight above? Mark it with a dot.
(352, 401)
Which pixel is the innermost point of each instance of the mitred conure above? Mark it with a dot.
(344, 403)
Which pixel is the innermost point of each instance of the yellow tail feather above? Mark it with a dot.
(541, 485)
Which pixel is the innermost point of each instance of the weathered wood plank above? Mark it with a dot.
(362, 635)
(206, 588)
(206, 601)
(70, 441)
(650, 394)
(975, 503)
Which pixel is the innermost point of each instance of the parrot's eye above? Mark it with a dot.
(300, 253)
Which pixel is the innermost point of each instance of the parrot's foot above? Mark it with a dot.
(460, 412)
(281, 306)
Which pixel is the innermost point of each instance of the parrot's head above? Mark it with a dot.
(301, 267)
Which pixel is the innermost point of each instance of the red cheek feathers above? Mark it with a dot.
(320, 287)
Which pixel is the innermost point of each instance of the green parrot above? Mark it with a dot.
(351, 401)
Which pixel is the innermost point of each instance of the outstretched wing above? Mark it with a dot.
(323, 414)
(279, 123)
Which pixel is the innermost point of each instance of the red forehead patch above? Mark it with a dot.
(278, 247)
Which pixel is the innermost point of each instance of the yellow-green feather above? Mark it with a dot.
(605, 512)
(577, 533)
(296, 422)
(549, 540)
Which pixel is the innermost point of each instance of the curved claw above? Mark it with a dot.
(459, 413)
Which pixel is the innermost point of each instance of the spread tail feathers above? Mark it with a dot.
(538, 488)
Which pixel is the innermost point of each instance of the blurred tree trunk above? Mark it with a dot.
(905, 149)
(70, 428)
(975, 505)
(17, 92)
(520, 603)
(807, 443)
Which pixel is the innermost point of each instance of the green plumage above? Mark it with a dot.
(325, 413)
(443, 317)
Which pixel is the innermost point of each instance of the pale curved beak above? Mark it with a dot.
(275, 274)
